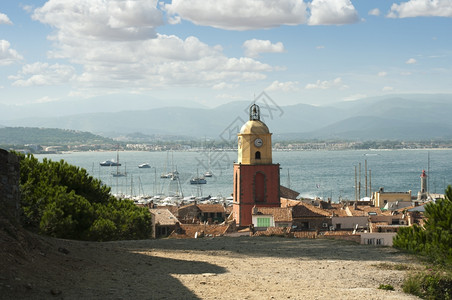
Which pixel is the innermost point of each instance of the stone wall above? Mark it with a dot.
(9, 185)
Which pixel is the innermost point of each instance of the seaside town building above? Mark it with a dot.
(382, 198)
(256, 179)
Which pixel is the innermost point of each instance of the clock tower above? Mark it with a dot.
(256, 178)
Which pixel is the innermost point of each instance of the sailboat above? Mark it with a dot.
(208, 173)
(198, 180)
(119, 174)
(167, 174)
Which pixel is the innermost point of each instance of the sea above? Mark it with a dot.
(339, 175)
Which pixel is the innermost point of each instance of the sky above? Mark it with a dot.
(211, 52)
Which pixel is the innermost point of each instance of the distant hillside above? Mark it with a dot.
(376, 128)
(53, 136)
(401, 117)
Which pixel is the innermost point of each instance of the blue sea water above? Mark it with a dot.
(311, 173)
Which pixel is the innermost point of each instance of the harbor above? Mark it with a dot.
(322, 174)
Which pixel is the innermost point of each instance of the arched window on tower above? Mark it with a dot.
(257, 155)
(259, 187)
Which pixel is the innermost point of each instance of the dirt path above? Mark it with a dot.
(215, 268)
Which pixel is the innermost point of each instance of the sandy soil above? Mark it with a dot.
(34, 267)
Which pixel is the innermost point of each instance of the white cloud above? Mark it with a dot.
(288, 86)
(224, 85)
(117, 47)
(374, 12)
(240, 14)
(4, 19)
(332, 12)
(46, 99)
(410, 61)
(8, 55)
(382, 74)
(325, 85)
(388, 89)
(254, 47)
(227, 96)
(43, 74)
(101, 19)
(421, 8)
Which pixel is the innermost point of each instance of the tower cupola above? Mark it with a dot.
(254, 140)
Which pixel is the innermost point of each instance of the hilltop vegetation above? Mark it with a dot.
(433, 241)
(63, 201)
(48, 136)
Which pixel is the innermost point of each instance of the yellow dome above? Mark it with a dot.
(254, 127)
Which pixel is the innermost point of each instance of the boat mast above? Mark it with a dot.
(288, 179)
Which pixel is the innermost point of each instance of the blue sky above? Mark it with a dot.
(210, 52)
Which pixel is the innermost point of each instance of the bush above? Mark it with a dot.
(386, 287)
(434, 241)
(429, 284)
(63, 201)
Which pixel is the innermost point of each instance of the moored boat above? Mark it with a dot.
(109, 163)
(198, 180)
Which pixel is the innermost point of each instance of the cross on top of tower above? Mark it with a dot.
(255, 113)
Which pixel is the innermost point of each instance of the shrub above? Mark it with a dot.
(434, 241)
(430, 284)
(386, 287)
(63, 201)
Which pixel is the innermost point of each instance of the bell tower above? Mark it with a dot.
(256, 178)
(254, 140)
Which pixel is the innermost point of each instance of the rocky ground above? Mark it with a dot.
(34, 267)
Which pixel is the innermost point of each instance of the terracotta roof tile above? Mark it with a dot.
(289, 202)
(279, 214)
(308, 210)
(361, 211)
(172, 208)
(163, 217)
(191, 229)
(209, 208)
(288, 193)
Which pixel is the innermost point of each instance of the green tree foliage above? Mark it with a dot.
(62, 200)
(434, 240)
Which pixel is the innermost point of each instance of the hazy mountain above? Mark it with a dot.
(104, 104)
(392, 117)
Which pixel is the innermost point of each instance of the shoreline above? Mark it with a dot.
(235, 150)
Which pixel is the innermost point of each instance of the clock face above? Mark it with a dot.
(258, 142)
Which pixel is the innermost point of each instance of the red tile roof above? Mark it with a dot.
(210, 208)
(189, 230)
(163, 217)
(279, 214)
(307, 210)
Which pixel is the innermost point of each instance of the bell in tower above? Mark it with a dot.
(255, 114)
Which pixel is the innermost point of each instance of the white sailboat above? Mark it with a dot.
(118, 173)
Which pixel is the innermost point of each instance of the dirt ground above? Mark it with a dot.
(34, 267)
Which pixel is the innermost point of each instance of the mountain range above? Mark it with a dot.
(401, 117)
